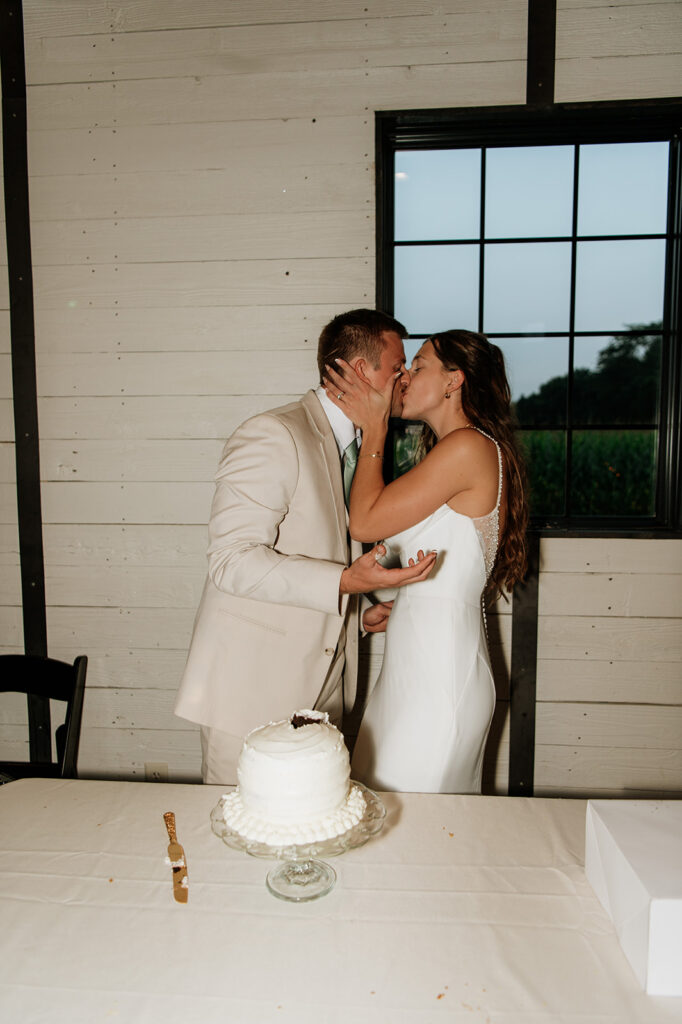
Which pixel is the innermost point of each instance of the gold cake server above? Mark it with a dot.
(176, 855)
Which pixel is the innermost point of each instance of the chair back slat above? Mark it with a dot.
(39, 728)
(42, 680)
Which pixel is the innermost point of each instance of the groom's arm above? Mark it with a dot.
(255, 484)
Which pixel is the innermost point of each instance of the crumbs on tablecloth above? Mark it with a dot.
(111, 879)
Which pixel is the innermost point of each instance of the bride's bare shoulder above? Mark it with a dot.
(465, 441)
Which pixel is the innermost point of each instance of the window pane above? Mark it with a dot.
(405, 437)
(437, 194)
(529, 191)
(436, 287)
(623, 189)
(537, 371)
(527, 287)
(616, 380)
(613, 472)
(411, 346)
(545, 454)
(619, 284)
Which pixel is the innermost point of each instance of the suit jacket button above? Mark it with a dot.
(329, 651)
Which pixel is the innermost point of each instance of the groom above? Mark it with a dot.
(277, 626)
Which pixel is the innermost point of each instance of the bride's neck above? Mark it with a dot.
(449, 420)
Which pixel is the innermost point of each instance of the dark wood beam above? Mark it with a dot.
(541, 47)
(22, 332)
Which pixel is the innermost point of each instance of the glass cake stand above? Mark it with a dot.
(300, 876)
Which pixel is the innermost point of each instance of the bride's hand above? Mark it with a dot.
(354, 395)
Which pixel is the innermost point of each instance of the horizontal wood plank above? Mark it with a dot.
(207, 238)
(647, 595)
(583, 638)
(220, 328)
(120, 629)
(122, 586)
(266, 149)
(584, 770)
(121, 668)
(11, 629)
(237, 372)
(148, 417)
(126, 503)
(88, 16)
(117, 753)
(605, 682)
(584, 79)
(485, 34)
(347, 283)
(610, 554)
(612, 727)
(256, 188)
(617, 30)
(140, 460)
(89, 546)
(293, 94)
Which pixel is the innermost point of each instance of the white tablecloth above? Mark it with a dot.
(465, 909)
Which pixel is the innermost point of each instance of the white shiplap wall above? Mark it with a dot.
(202, 202)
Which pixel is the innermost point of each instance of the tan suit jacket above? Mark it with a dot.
(269, 622)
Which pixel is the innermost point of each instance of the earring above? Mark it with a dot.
(447, 394)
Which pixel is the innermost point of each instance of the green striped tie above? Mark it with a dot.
(350, 461)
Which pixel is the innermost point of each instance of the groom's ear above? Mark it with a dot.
(360, 367)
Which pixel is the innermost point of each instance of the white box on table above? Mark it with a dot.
(633, 860)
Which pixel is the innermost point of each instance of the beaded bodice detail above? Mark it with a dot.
(488, 526)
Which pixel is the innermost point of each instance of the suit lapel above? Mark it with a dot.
(321, 428)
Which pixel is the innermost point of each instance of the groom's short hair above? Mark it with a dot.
(356, 333)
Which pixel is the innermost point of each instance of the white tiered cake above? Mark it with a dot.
(294, 783)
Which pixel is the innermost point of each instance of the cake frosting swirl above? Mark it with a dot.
(294, 783)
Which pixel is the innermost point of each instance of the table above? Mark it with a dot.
(465, 909)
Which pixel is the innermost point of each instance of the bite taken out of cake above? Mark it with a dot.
(294, 783)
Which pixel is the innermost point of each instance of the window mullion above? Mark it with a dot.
(481, 260)
(571, 338)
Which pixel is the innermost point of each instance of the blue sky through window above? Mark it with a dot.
(622, 190)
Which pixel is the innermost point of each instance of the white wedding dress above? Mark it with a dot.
(427, 720)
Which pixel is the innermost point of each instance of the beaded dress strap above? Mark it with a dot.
(499, 469)
(488, 526)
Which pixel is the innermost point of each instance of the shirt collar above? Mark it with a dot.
(343, 428)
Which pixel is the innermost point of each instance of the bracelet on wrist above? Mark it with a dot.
(371, 455)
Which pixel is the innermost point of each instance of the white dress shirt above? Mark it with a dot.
(343, 428)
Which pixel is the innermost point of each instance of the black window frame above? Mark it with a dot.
(562, 124)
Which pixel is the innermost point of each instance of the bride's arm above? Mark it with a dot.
(378, 510)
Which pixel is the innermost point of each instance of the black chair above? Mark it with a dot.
(42, 680)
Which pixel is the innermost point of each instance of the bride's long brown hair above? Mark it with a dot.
(486, 402)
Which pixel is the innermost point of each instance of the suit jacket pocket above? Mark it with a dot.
(240, 617)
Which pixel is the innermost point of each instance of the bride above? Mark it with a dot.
(427, 721)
